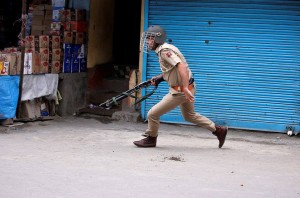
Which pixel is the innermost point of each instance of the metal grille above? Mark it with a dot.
(245, 57)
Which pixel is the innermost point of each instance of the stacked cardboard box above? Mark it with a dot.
(51, 25)
(32, 63)
(75, 28)
(41, 19)
(56, 54)
(48, 19)
(44, 53)
(49, 50)
(10, 62)
(74, 58)
(56, 25)
(32, 58)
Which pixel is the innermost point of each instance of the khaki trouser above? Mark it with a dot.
(171, 101)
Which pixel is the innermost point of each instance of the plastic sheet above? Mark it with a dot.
(35, 86)
(9, 93)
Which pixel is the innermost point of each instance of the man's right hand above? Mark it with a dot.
(188, 95)
(156, 80)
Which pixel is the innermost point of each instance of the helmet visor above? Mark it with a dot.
(147, 41)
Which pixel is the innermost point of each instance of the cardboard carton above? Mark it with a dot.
(82, 65)
(28, 63)
(54, 33)
(55, 67)
(32, 63)
(37, 32)
(38, 13)
(29, 42)
(68, 37)
(56, 13)
(74, 65)
(12, 59)
(78, 37)
(49, 12)
(56, 54)
(10, 49)
(65, 15)
(29, 50)
(37, 28)
(78, 51)
(38, 18)
(58, 3)
(31, 109)
(78, 15)
(48, 7)
(67, 65)
(56, 26)
(40, 7)
(44, 41)
(48, 17)
(44, 67)
(47, 23)
(37, 22)
(45, 54)
(76, 26)
(4, 67)
(68, 50)
(19, 62)
(55, 42)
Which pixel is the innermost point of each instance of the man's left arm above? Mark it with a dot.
(184, 74)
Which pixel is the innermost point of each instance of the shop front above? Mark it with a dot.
(89, 48)
(244, 57)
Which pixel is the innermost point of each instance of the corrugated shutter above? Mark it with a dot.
(245, 57)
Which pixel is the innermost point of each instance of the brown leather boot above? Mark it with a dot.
(146, 142)
(221, 133)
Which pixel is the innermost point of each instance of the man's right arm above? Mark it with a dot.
(157, 79)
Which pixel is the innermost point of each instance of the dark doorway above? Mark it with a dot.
(127, 33)
(10, 27)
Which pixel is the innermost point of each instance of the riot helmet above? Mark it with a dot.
(152, 37)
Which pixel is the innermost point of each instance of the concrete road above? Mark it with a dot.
(93, 157)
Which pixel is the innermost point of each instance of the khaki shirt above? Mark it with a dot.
(169, 56)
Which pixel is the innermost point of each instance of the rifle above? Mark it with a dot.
(115, 100)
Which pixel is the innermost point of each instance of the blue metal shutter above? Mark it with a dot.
(245, 57)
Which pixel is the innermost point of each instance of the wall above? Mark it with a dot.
(101, 24)
(72, 88)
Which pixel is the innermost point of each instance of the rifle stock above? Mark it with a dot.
(115, 100)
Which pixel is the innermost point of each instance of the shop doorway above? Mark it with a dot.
(10, 27)
(127, 20)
